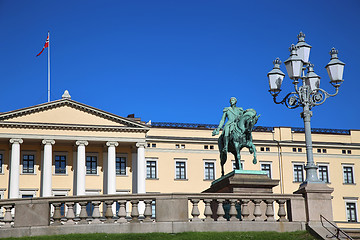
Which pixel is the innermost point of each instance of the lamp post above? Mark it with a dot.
(306, 94)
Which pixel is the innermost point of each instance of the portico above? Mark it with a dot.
(96, 154)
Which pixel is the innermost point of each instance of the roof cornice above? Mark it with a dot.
(76, 127)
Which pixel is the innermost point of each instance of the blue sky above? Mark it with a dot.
(176, 61)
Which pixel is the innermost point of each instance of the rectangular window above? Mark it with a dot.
(262, 149)
(294, 149)
(1, 163)
(351, 212)
(206, 146)
(348, 174)
(60, 164)
(153, 145)
(299, 149)
(318, 150)
(298, 173)
(234, 164)
(151, 169)
(209, 171)
(120, 165)
(180, 170)
(343, 151)
(348, 151)
(268, 149)
(211, 146)
(91, 165)
(324, 173)
(28, 163)
(267, 168)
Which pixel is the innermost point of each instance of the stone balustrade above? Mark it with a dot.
(100, 209)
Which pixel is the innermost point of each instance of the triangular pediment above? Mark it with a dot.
(68, 112)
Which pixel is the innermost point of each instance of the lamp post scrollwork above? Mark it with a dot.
(307, 92)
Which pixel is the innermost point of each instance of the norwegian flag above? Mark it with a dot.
(45, 46)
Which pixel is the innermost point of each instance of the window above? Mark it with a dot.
(294, 149)
(151, 169)
(267, 149)
(120, 165)
(91, 164)
(206, 146)
(267, 168)
(324, 173)
(346, 151)
(28, 163)
(1, 163)
(351, 212)
(299, 149)
(180, 170)
(153, 145)
(298, 172)
(348, 174)
(211, 146)
(27, 196)
(321, 150)
(262, 149)
(234, 164)
(209, 171)
(60, 164)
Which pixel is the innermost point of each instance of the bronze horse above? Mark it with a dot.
(240, 137)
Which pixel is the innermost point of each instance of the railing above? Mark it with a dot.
(136, 208)
(201, 126)
(333, 229)
(322, 130)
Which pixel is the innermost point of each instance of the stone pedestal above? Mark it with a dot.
(317, 201)
(243, 181)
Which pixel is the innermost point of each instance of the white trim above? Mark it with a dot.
(60, 153)
(271, 168)
(125, 155)
(328, 170)
(27, 192)
(351, 165)
(155, 159)
(92, 154)
(209, 161)
(60, 192)
(186, 172)
(92, 191)
(356, 209)
(28, 152)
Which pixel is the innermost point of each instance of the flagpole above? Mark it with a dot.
(49, 68)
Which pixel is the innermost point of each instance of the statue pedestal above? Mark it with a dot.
(243, 181)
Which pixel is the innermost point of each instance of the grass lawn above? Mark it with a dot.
(300, 235)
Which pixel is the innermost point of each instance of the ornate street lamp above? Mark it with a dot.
(307, 95)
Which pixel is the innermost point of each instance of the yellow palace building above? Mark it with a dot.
(65, 148)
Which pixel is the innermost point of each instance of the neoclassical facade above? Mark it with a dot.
(65, 148)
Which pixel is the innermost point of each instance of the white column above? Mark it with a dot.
(111, 167)
(46, 182)
(14, 168)
(80, 167)
(141, 168)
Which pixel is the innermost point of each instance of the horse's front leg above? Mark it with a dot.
(254, 151)
(237, 155)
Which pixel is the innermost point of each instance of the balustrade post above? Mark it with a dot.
(148, 210)
(109, 213)
(134, 211)
(233, 211)
(269, 210)
(245, 213)
(8, 218)
(257, 209)
(57, 214)
(70, 213)
(282, 212)
(220, 211)
(122, 211)
(96, 212)
(83, 214)
(207, 211)
(195, 210)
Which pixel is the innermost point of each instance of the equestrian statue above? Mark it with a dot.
(237, 133)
